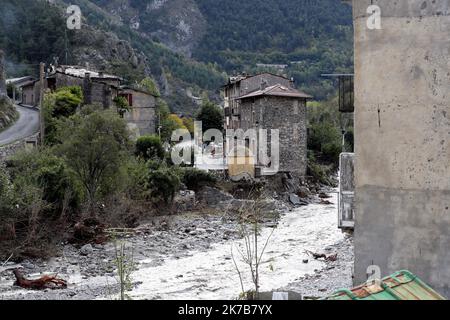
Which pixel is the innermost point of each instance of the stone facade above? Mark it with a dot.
(242, 85)
(142, 116)
(286, 114)
(402, 141)
(100, 89)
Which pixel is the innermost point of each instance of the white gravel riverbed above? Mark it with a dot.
(188, 257)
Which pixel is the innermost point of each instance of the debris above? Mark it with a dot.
(323, 195)
(305, 260)
(326, 202)
(89, 230)
(45, 282)
(332, 257)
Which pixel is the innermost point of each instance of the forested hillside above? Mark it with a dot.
(310, 37)
(187, 46)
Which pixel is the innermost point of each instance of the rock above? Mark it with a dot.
(185, 201)
(296, 201)
(213, 197)
(305, 260)
(86, 250)
(28, 265)
(303, 192)
(201, 230)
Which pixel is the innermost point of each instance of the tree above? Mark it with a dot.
(211, 116)
(150, 147)
(122, 105)
(95, 146)
(58, 105)
(149, 85)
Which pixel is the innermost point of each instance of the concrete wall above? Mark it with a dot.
(402, 140)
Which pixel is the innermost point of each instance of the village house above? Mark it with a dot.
(268, 101)
(101, 89)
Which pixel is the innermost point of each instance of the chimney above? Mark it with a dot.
(263, 84)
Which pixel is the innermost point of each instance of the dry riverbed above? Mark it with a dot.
(189, 257)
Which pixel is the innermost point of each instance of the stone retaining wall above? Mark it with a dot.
(12, 148)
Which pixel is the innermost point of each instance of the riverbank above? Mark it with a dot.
(188, 256)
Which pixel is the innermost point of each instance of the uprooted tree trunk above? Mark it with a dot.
(45, 282)
(316, 256)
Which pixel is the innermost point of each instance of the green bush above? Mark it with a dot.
(326, 141)
(163, 184)
(6, 194)
(195, 179)
(49, 174)
(58, 106)
(150, 147)
(319, 172)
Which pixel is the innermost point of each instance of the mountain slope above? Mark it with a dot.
(187, 46)
(310, 37)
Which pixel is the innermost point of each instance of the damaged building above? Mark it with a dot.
(268, 101)
(99, 88)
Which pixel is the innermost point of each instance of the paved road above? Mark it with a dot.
(25, 126)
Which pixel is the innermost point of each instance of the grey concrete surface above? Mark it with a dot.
(402, 140)
(25, 126)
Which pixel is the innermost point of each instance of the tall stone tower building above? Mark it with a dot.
(402, 136)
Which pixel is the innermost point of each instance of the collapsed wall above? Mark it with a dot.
(402, 140)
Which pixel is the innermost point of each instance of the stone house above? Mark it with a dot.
(268, 102)
(101, 89)
(142, 115)
(241, 85)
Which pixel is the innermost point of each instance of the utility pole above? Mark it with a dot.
(41, 100)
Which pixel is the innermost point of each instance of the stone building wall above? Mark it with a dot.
(402, 140)
(142, 116)
(288, 115)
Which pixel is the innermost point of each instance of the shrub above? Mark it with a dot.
(318, 172)
(150, 147)
(163, 183)
(49, 174)
(122, 105)
(325, 139)
(57, 106)
(6, 194)
(195, 179)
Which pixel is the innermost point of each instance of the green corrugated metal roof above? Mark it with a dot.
(402, 285)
